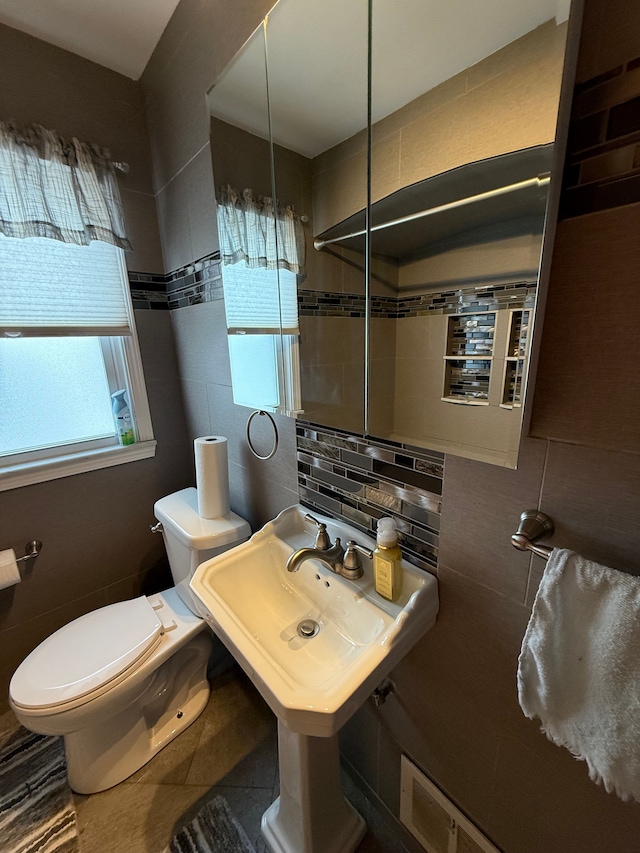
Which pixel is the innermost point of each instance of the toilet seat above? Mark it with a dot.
(87, 657)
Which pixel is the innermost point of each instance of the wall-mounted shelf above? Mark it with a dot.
(516, 358)
(468, 358)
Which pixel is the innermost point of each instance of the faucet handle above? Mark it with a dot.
(352, 565)
(323, 542)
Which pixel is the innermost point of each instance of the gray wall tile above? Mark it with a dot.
(587, 391)
(201, 343)
(197, 409)
(198, 178)
(173, 220)
(141, 218)
(156, 336)
(594, 499)
(258, 499)
(481, 506)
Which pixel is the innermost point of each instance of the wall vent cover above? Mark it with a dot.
(433, 819)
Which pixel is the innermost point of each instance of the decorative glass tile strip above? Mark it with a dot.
(467, 380)
(518, 333)
(602, 168)
(513, 382)
(330, 304)
(460, 301)
(200, 281)
(360, 480)
(148, 299)
(471, 334)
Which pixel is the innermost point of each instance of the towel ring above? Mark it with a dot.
(275, 435)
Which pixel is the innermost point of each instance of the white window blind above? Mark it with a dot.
(260, 301)
(73, 290)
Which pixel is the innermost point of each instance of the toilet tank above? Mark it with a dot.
(190, 539)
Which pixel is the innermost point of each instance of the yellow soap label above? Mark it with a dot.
(384, 576)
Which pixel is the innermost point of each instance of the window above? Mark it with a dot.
(261, 307)
(262, 247)
(67, 343)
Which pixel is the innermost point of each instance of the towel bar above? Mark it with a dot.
(533, 525)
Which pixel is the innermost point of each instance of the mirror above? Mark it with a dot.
(418, 330)
(467, 150)
(278, 152)
(261, 240)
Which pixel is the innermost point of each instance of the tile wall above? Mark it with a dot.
(603, 163)
(454, 710)
(320, 303)
(193, 284)
(361, 480)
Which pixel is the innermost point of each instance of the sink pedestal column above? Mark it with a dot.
(311, 815)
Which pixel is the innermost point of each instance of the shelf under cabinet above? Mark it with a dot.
(466, 401)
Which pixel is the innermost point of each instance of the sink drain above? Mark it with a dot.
(308, 628)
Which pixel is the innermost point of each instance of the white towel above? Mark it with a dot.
(579, 667)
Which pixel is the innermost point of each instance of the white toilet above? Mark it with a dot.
(121, 682)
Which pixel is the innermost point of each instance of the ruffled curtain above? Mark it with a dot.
(52, 187)
(251, 230)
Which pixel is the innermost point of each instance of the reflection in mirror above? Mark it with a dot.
(261, 241)
(464, 108)
(467, 151)
(464, 111)
(317, 78)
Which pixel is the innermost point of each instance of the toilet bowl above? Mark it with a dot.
(123, 681)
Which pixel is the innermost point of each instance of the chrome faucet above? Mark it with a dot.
(346, 563)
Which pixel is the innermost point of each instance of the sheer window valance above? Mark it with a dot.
(52, 187)
(251, 230)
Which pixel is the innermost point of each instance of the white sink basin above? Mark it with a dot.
(313, 684)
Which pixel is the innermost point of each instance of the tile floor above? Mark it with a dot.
(231, 750)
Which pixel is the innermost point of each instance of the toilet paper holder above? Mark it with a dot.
(32, 548)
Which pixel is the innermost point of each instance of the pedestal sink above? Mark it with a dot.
(315, 645)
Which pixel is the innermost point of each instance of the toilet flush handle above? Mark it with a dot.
(156, 528)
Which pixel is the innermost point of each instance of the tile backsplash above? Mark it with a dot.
(362, 479)
(602, 167)
(459, 300)
(200, 281)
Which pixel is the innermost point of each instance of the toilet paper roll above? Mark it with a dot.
(9, 571)
(212, 476)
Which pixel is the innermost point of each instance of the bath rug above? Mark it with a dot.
(37, 814)
(213, 830)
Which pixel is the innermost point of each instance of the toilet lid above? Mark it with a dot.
(87, 653)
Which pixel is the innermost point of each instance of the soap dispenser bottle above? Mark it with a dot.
(387, 560)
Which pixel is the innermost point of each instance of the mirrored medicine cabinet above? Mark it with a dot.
(382, 174)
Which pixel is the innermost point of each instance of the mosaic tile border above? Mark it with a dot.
(193, 284)
(201, 281)
(148, 290)
(196, 283)
(602, 167)
(361, 480)
(326, 303)
(520, 294)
